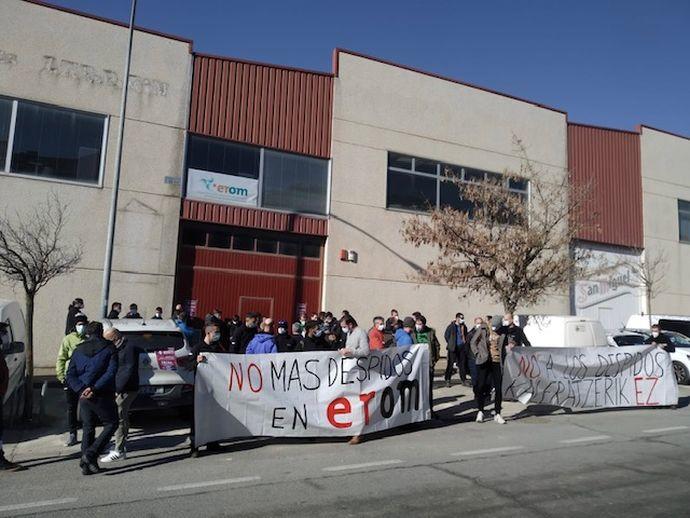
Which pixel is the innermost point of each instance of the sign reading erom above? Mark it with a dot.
(310, 394)
(590, 377)
(222, 188)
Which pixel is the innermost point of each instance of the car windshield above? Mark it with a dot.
(623, 340)
(155, 341)
(679, 340)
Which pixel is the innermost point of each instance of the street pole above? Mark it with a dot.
(107, 266)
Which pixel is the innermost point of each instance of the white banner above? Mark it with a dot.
(590, 377)
(222, 188)
(310, 394)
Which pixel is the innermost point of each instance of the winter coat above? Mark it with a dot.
(133, 315)
(4, 377)
(376, 339)
(513, 334)
(428, 336)
(358, 342)
(662, 339)
(402, 337)
(451, 336)
(93, 364)
(241, 338)
(127, 377)
(113, 315)
(67, 347)
(287, 343)
(72, 313)
(479, 345)
(309, 343)
(262, 343)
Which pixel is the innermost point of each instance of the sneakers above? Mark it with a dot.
(480, 417)
(88, 466)
(113, 456)
(72, 440)
(356, 439)
(499, 420)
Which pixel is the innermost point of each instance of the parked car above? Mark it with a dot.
(564, 331)
(164, 382)
(642, 321)
(680, 357)
(12, 338)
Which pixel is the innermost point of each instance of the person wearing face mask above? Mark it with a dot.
(424, 334)
(72, 311)
(356, 341)
(67, 347)
(487, 354)
(285, 342)
(126, 390)
(392, 321)
(244, 334)
(115, 310)
(456, 340)
(263, 341)
(660, 339)
(312, 340)
(403, 335)
(133, 311)
(510, 335)
(376, 337)
(158, 315)
(209, 344)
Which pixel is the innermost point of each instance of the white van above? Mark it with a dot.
(564, 331)
(642, 321)
(12, 338)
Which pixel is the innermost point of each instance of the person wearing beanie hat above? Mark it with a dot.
(403, 336)
(67, 347)
(286, 342)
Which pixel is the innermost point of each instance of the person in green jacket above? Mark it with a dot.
(67, 347)
(424, 334)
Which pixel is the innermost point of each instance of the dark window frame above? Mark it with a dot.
(683, 214)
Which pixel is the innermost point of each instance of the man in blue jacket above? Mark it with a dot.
(263, 341)
(91, 374)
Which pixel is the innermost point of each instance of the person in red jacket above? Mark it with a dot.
(376, 339)
(5, 465)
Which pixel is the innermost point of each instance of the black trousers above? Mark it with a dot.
(72, 399)
(2, 426)
(92, 410)
(489, 376)
(462, 361)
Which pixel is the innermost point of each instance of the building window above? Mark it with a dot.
(50, 142)
(684, 220)
(420, 185)
(295, 183)
(219, 156)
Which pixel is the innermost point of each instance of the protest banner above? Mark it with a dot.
(590, 377)
(310, 394)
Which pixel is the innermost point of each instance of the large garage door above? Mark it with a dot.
(240, 270)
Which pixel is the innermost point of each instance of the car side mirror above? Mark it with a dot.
(16, 347)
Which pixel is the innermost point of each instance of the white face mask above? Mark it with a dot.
(506, 322)
(655, 334)
(158, 313)
(461, 321)
(282, 330)
(418, 327)
(477, 326)
(79, 329)
(345, 329)
(380, 327)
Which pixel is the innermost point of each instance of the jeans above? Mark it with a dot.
(98, 407)
(72, 399)
(489, 375)
(123, 401)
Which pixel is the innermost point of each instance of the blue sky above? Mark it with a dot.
(613, 63)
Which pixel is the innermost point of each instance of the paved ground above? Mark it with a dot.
(541, 463)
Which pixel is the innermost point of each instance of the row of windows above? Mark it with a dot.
(242, 241)
(50, 142)
(684, 220)
(419, 184)
(288, 182)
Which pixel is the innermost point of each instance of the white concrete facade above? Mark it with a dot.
(381, 107)
(665, 180)
(77, 62)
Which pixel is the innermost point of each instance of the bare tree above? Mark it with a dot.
(508, 247)
(32, 253)
(648, 274)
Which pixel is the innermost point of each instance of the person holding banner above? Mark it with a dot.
(511, 335)
(660, 339)
(424, 334)
(403, 335)
(487, 354)
(263, 341)
(356, 341)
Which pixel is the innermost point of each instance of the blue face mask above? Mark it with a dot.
(318, 332)
(215, 337)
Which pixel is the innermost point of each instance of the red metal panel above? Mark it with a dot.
(609, 161)
(253, 218)
(260, 104)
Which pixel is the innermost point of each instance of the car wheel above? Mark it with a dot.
(682, 374)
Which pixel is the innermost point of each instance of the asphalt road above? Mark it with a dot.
(541, 463)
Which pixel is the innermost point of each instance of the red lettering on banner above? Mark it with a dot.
(638, 391)
(365, 398)
(656, 380)
(249, 377)
(336, 407)
(236, 373)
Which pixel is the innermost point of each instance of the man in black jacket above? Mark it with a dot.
(285, 342)
(91, 374)
(660, 339)
(74, 309)
(244, 334)
(457, 347)
(115, 310)
(126, 390)
(312, 341)
(510, 335)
